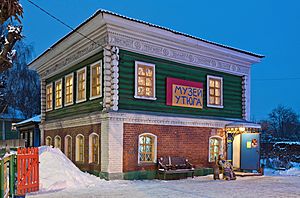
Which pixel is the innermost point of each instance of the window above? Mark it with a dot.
(144, 81)
(58, 94)
(147, 148)
(95, 82)
(80, 148)
(57, 142)
(214, 91)
(94, 148)
(69, 89)
(48, 141)
(215, 148)
(81, 85)
(68, 146)
(49, 97)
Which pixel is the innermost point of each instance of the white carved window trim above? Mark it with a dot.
(77, 149)
(91, 80)
(207, 92)
(61, 99)
(90, 148)
(220, 139)
(72, 102)
(51, 107)
(77, 73)
(154, 147)
(136, 81)
(48, 141)
(67, 147)
(57, 142)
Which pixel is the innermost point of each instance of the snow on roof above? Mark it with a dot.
(287, 142)
(12, 113)
(101, 11)
(33, 119)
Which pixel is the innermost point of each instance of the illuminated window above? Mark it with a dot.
(68, 146)
(57, 142)
(81, 85)
(69, 89)
(144, 81)
(80, 148)
(94, 148)
(96, 80)
(215, 148)
(58, 94)
(147, 148)
(49, 92)
(214, 91)
(48, 141)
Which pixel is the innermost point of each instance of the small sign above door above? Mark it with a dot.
(184, 93)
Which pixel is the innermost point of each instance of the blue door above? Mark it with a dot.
(250, 151)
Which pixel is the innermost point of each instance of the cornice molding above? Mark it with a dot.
(147, 47)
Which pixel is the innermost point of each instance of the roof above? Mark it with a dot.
(35, 119)
(243, 124)
(149, 24)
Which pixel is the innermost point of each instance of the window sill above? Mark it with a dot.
(69, 104)
(144, 97)
(216, 106)
(80, 101)
(146, 163)
(95, 97)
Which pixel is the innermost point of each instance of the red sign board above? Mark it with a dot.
(184, 93)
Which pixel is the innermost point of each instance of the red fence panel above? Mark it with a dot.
(28, 170)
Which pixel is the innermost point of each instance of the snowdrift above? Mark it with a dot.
(57, 172)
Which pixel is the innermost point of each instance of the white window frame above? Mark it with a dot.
(48, 137)
(221, 146)
(61, 105)
(68, 104)
(77, 72)
(136, 81)
(49, 85)
(57, 137)
(90, 147)
(66, 146)
(77, 149)
(155, 148)
(91, 67)
(207, 92)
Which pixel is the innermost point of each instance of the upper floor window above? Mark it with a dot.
(58, 94)
(147, 148)
(81, 85)
(69, 89)
(214, 91)
(144, 80)
(215, 148)
(49, 92)
(95, 83)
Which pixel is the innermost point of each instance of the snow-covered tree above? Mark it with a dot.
(10, 12)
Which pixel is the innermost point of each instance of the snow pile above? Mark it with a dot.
(294, 171)
(57, 172)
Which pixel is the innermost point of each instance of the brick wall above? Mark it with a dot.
(73, 132)
(189, 142)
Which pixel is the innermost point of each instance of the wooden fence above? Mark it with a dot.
(7, 176)
(28, 170)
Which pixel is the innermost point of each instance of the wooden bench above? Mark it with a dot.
(174, 165)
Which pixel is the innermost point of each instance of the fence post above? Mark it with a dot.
(2, 178)
(12, 176)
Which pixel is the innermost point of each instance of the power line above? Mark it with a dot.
(274, 79)
(60, 21)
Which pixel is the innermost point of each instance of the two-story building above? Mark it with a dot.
(129, 92)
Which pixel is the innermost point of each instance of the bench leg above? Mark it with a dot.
(192, 174)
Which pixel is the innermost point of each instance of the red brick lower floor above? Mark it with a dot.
(185, 141)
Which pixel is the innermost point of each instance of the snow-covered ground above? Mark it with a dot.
(60, 178)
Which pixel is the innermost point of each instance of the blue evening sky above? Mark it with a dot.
(268, 27)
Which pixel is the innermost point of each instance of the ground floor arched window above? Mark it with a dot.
(147, 148)
(94, 148)
(57, 142)
(48, 141)
(68, 146)
(215, 148)
(80, 148)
